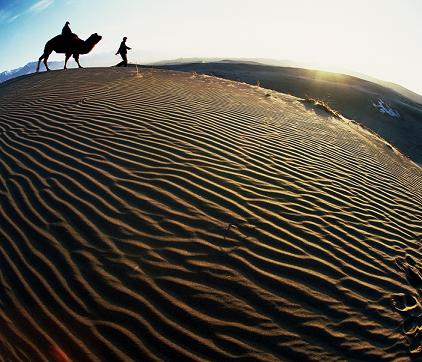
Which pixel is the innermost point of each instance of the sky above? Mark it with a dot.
(380, 38)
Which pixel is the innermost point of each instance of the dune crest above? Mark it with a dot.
(172, 216)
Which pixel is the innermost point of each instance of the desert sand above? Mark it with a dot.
(157, 215)
(398, 120)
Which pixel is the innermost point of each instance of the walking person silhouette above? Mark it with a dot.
(123, 53)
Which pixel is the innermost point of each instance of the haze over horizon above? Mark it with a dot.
(377, 38)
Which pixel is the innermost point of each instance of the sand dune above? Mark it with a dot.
(168, 216)
(398, 120)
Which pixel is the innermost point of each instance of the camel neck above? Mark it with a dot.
(87, 47)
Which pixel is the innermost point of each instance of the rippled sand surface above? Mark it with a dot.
(157, 215)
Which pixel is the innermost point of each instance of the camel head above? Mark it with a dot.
(94, 39)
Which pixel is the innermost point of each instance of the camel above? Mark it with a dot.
(70, 45)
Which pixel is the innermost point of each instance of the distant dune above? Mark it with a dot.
(158, 215)
(29, 68)
(353, 97)
(285, 63)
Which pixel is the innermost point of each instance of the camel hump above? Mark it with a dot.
(62, 43)
(61, 38)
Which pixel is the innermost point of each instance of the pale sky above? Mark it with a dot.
(381, 38)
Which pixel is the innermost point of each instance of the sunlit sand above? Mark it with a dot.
(157, 215)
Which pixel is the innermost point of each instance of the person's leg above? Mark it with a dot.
(122, 62)
(124, 56)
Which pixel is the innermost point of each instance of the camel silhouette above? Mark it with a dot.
(69, 45)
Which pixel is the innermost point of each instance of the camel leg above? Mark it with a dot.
(76, 57)
(46, 55)
(66, 59)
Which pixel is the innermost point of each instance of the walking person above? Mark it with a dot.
(123, 53)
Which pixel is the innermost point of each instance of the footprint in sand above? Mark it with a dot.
(412, 325)
(412, 271)
(416, 343)
(403, 262)
(409, 305)
(406, 303)
(414, 277)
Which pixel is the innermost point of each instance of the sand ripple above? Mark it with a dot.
(169, 216)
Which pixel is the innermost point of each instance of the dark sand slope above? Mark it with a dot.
(178, 217)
